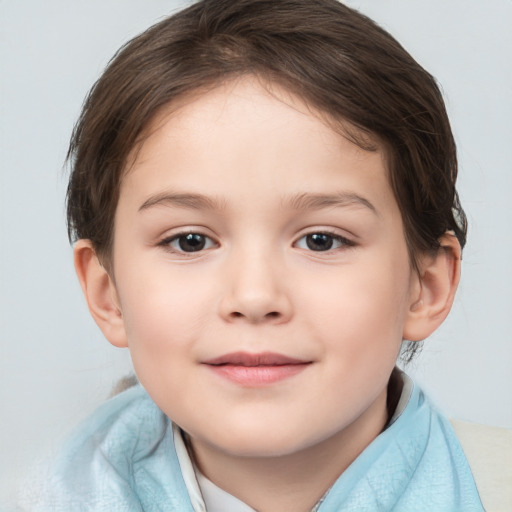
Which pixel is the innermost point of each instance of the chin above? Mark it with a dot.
(267, 441)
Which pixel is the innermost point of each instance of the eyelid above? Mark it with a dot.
(165, 241)
(345, 241)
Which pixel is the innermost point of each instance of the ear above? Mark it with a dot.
(433, 290)
(100, 293)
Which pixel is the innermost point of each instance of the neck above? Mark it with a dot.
(293, 482)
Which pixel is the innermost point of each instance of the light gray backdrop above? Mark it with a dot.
(54, 365)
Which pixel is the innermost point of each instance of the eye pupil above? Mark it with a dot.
(192, 242)
(319, 242)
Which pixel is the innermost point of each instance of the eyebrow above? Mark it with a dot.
(310, 201)
(183, 200)
(303, 201)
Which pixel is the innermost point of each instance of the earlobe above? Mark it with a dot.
(434, 290)
(100, 293)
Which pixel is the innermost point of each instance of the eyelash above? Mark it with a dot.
(208, 242)
(343, 242)
(168, 241)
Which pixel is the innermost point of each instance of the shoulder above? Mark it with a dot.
(127, 423)
(96, 468)
(489, 453)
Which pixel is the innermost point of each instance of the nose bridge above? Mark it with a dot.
(255, 288)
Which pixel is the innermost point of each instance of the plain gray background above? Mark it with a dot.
(55, 367)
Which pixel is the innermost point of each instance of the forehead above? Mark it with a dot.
(251, 135)
(196, 106)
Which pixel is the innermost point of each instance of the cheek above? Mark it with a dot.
(162, 325)
(360, 308)
(163, 311)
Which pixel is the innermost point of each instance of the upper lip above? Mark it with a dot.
(249, 359)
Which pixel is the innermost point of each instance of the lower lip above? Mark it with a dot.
(255, 376)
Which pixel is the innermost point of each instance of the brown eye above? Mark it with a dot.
(192, 242)
(319, 241)
(322, 242)
(189, 242)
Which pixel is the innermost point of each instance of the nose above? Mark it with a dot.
(255, 290)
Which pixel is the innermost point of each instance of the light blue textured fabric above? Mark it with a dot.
(123, 459)
(415, 465)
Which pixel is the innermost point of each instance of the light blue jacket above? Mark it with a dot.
(123, 458)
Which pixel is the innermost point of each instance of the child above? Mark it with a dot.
(264, 207)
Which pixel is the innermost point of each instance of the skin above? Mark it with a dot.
(256, 173)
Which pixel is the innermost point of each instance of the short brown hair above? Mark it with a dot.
(334, 58)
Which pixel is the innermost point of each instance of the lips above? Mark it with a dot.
(247, 359)
(255, 370)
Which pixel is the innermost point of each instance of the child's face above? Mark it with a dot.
(247, 227)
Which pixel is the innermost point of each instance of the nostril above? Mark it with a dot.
(271, 315)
